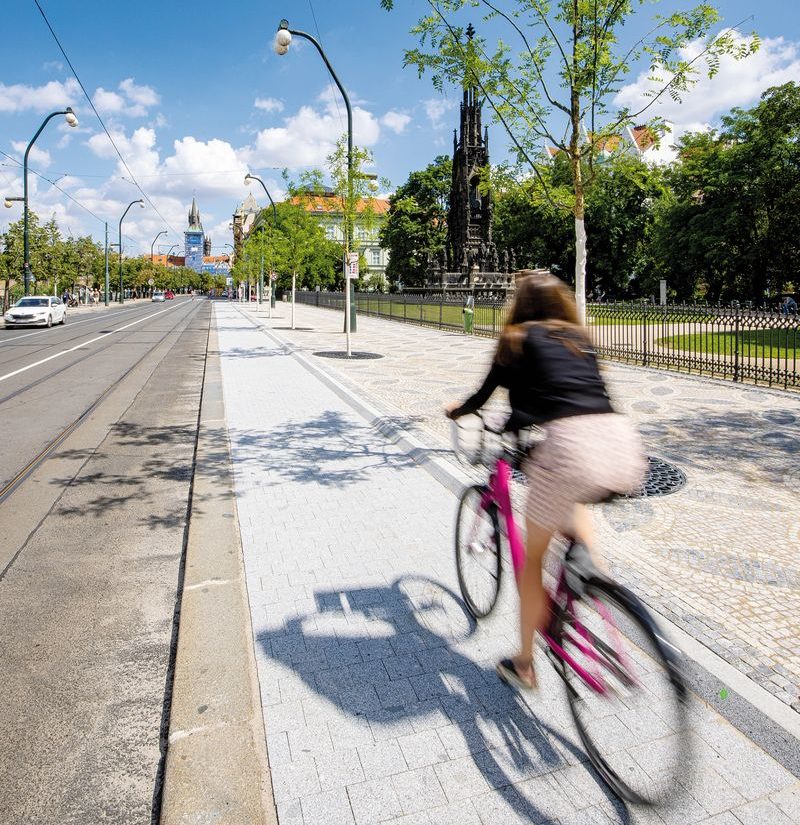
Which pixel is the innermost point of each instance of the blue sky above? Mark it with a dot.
(195, 97)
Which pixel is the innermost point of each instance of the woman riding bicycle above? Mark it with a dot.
(546, 361)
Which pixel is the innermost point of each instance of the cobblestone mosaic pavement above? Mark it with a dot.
(719, 558)
(379, 697)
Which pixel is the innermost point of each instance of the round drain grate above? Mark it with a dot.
(363, 356)
(662, 479)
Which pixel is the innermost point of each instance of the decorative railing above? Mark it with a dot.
(746, 345)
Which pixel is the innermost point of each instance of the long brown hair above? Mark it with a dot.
(540, 298)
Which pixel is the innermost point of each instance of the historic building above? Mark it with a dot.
(243, 220)
(325, 205)
(196, 242)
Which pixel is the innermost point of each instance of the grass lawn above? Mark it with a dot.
(778, 344)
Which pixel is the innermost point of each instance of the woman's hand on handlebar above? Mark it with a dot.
(450, 408)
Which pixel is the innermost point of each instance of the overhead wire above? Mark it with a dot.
(105, 129)
(53, 183)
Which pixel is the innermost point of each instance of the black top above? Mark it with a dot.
(548, 381)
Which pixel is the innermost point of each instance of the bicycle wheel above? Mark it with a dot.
(634, 728)
(478, 551)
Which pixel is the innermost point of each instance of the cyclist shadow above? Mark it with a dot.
(392, 658)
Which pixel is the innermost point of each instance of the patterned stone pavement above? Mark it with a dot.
(379, 697)
(719, 557)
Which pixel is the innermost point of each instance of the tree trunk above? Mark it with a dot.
(580, 243)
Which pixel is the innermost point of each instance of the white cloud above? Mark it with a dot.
(436, 108)
(212, 168)
(396, 121)
(37, 157)
(131, 100)
(309, 136)
(738, 83)
(269, 104)
(108, 102)
(52, 95)
(142, 95)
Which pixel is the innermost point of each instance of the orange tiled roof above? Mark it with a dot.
(644, 137)
(216, 259)
(330, 204)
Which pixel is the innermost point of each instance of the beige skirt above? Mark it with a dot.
(583, 459)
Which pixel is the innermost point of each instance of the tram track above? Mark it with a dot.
(14, 340)
(64, 366)
(11, 486)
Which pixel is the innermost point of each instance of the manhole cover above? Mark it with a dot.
(662, 479)
(363, 356)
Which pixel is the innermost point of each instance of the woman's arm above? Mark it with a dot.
(493, 380)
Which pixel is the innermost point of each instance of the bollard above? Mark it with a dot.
(469, 319)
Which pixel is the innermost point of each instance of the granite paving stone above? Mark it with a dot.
(380, 701)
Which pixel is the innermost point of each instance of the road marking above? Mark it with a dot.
(11, 340)
(83, 344)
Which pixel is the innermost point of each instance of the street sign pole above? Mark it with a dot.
(107, 284)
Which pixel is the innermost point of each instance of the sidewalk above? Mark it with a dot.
(380, 699)
(719, 558)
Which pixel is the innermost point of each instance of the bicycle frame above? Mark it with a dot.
(499, 492)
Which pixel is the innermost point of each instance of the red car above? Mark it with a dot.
(169, 294)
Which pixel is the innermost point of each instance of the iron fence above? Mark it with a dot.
(746, 345)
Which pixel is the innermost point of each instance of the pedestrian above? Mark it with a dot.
(546, 360)
(789, 306)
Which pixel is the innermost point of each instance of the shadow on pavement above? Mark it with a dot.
(412, 673)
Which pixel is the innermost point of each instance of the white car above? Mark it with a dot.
(36, 310)
(158, 296)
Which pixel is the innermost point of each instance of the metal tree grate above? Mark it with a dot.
(662, 479)
(353, 356)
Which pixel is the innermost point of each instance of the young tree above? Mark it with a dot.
(559, 84)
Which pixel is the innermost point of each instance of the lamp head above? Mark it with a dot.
(8, 203)
(283, 37)
(248, 177)
(70, 117)
(141, 203)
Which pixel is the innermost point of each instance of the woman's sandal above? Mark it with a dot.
(507, 671)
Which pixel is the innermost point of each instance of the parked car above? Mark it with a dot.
(36, 310)
(169, 294)
(158, 296)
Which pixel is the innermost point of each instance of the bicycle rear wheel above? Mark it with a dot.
(634, 729)
(478, 551)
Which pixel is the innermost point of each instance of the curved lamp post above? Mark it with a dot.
(169, 252)
(141, 203)
(247, 178)
(283, 39)
(162, 232)
(72, 121)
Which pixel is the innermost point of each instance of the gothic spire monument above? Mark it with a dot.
(469, 226)
(194, 239)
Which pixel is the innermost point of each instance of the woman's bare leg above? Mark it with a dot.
(533, 606)
(583, 531)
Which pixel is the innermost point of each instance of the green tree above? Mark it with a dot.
(559, 83)
(416, 225)
(730, 228)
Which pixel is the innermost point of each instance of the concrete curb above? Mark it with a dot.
(216, 765)
(755, 712)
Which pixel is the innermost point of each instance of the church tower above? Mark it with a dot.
(194, 240)
(469, 229)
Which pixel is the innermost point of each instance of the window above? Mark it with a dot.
(330, 232)
(375, 257)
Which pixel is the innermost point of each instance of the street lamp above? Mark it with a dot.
(283, 38)
(141, 203)
(69, 116)
(162, 232)
(169, 252)
(247, 178)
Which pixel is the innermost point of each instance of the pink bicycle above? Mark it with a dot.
(623, 678)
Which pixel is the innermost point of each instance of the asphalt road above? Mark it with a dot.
(98, 423)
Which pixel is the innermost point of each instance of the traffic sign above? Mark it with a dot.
(352, 264)
(150, 281)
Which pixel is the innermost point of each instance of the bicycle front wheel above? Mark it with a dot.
(478, 551)
(632, 718)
